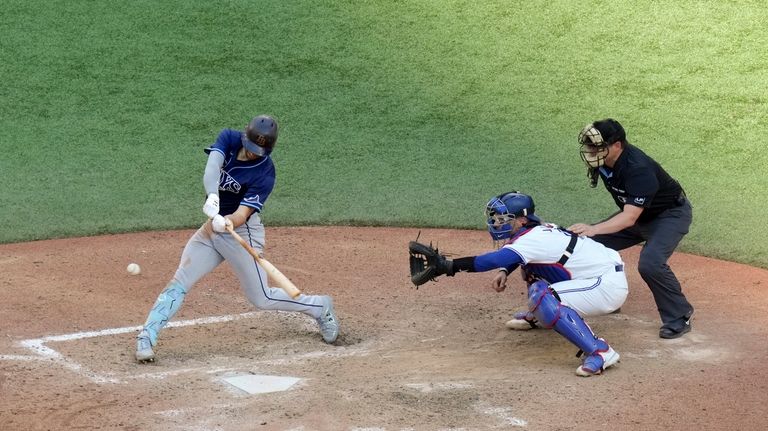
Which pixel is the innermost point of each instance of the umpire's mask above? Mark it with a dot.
(595, 138)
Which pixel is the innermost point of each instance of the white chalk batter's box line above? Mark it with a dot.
(45, 353)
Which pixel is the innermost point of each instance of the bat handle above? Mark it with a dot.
(242, 242)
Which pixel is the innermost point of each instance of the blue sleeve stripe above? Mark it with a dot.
(258, 206)
(209, 149)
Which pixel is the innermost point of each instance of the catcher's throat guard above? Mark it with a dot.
(426, 263)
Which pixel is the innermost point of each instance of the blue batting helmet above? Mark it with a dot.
(260, 135)
(504, 208)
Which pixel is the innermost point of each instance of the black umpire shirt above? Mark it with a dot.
(638, 180)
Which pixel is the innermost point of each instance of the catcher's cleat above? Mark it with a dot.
(144, 352)
(522, 321)
(597, 362)
(329, 324)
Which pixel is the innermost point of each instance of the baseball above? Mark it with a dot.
(134, 269)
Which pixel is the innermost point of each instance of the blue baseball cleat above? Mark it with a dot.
(597, 362)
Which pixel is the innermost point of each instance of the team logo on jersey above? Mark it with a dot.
(640, 201)
(227, 183)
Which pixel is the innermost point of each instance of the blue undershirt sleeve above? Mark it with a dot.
(501, 258)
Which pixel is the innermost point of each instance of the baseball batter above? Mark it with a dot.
(238, 179)
(568, 277)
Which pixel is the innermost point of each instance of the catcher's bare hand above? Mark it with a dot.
(499, 282)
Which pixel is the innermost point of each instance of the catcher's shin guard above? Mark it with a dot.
(565, 321)
(167, 304)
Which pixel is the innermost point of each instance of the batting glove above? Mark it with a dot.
(220, 223)
(211, 207)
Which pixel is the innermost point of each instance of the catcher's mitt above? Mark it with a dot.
(427, 263)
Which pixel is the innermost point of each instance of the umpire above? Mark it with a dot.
(652, 208)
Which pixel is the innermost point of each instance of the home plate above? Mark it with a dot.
(259, 384)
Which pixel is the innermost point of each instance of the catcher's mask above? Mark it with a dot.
(260, 135)
(595, 138)
(501, 210)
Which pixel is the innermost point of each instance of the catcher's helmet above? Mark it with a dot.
(504, 208)
(595, 138)
(260, 135)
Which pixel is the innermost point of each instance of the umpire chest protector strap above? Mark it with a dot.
(569, 250)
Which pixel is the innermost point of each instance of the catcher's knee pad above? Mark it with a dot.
(167, 304)
(543, 304)
(564, 320)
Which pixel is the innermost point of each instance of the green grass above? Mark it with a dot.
(405, 113)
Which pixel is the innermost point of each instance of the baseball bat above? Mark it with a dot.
(274, 274)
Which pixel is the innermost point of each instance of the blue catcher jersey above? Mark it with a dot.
(247, 183)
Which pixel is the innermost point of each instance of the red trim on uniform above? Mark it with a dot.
(519, 233)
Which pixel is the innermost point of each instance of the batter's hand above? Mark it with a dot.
(583, 229)
(499, 283)
(220, 223)
(211, 207)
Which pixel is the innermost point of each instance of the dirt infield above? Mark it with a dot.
(437, 358)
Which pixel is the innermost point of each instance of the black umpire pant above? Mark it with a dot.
(661, 236)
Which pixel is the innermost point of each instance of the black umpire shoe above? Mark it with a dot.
(670, 333)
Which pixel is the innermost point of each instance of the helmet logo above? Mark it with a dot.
(261, 141)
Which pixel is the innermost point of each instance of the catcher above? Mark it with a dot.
(568, 276)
